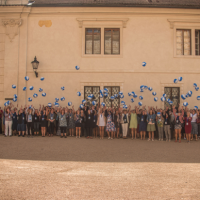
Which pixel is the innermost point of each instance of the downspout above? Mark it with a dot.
(26, 57)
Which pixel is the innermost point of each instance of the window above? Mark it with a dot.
(183, 42)
(111, 41)
(197, 42)
(92, 41)
(92, 90)
(172, 93)
(112, 90)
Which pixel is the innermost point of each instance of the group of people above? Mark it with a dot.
(94, 121)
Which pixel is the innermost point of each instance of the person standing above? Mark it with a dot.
(82, 121)
(63, 122)
(133, 123)
(143, 124)
(188, 126)
(14, 124)
(124, 123)
(78, 123)
(29, 119)
(8, 122)
(178, 117)
(43, 121)
(167, 122)
(160, 122)
(1, 116)
(71, 122)
(101, 122)
(51, 118)
(110, 126)
(151, 119)
(89, 123)
(194, 116)
(36, 120)
(116, 122)
(95, 127)
(21, 127)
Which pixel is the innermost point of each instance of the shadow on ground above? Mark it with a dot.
(96, 150)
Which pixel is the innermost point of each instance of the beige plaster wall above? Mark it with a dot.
(57, 39)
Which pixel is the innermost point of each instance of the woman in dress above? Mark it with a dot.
(63, 121)
(133, 122)
(110, 126)
(71, 121)
(78, 123)
(101, 122)
(188, 126)
(143, 124)
(43, 121)
(178, 117)
(151, 120)
(117, 122)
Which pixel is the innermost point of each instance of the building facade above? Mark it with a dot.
(108, 43)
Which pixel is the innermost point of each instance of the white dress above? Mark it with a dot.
(101, 120)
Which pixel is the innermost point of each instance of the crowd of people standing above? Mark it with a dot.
(96, 121)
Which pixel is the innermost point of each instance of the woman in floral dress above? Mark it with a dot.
(110, 126)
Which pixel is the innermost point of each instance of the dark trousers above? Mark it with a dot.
(83, 132)
(30, 127)
(57, 126)
(51, 128)
(89, 131)
(198, 129)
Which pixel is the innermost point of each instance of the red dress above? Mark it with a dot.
(188, 126)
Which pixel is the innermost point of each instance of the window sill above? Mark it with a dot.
(191, 56)
(101, 56)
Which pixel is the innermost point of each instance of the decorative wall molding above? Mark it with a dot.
(123, 21)
(172, 22)
(46, 23)
(12, 27)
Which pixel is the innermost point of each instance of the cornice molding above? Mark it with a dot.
(94, 10)
(172, 22)
(82, 20)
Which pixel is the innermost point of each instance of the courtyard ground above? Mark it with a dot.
(55, 168)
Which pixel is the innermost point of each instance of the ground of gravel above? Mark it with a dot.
(69, 168)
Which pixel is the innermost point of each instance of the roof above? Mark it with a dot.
(194, 4)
